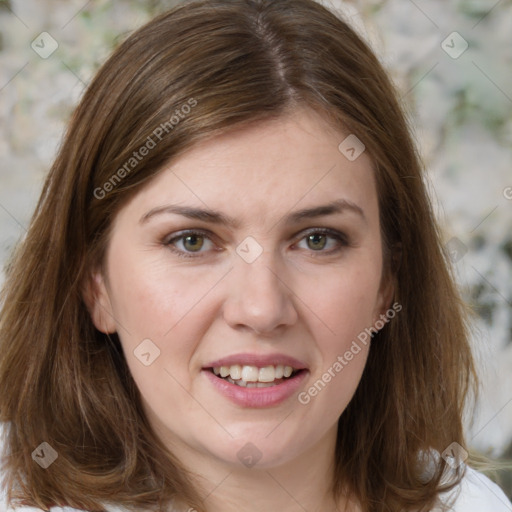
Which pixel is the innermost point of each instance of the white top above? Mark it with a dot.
(476, 493)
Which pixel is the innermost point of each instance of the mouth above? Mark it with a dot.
(249, 376)
(256, 380)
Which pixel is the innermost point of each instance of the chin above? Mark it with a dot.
(259, 452)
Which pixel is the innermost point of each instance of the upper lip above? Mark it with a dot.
(259, 360)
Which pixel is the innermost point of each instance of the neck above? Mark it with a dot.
(304, 483)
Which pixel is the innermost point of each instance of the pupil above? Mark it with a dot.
(193, 243)
(316, 241)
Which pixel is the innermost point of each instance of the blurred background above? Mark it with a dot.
(452, 63)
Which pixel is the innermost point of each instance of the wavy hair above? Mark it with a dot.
(64, 382)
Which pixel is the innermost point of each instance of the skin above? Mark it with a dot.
(299, 298)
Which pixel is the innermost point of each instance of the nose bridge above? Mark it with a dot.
(257, 297)
(261, 278)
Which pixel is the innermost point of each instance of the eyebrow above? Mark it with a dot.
(339, 206)
(214, 217)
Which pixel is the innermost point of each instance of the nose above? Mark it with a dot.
(258, 299)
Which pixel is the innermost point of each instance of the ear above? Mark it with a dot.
(97, 299)
(385, 295)
(387, 284)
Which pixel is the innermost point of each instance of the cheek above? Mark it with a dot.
(343, 299)
(345, 303)
(152, 298)
(166, 305)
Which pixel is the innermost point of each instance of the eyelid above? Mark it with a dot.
(334, 233)
(184, 232)
(341, 238)
(168, 241)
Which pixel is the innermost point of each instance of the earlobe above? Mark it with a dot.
(97, 300)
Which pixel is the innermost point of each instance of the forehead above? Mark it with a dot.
(264, 169)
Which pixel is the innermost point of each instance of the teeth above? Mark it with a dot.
(235, 371)
(245, 384)
(267, 374)
(252, 376)
(288, 371)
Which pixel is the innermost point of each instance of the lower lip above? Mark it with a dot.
(257, 397)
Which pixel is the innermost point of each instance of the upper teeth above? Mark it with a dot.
(253, 373)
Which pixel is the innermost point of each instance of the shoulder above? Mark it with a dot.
(476, 493)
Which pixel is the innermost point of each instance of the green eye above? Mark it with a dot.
(193, 243)
(323, 241)
(317, 241)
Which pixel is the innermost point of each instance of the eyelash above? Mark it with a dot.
(338, 236)
(180, 236)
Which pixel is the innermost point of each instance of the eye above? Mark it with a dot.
(190, 243)
(323, 240)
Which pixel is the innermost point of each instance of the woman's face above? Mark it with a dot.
(255, 251)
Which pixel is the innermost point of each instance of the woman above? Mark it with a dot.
(232, 294)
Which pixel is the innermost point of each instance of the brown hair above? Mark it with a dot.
(64, 382)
